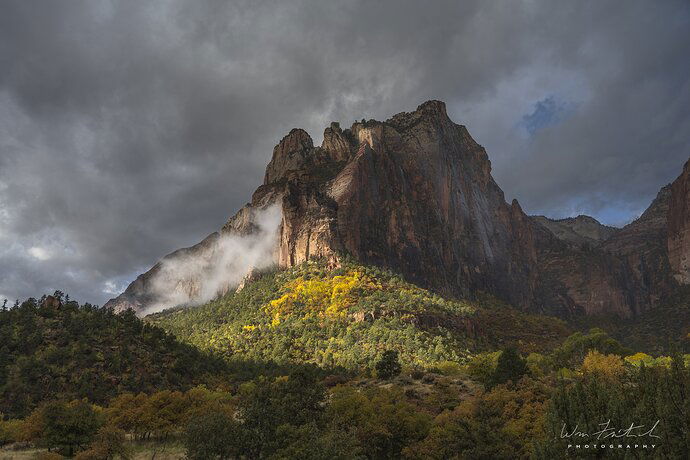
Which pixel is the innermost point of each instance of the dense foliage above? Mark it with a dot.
(64, 350)
(611, 408)
(413, 416)
(346, 317)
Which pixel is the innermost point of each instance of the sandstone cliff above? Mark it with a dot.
(679, 227)
(415, 194)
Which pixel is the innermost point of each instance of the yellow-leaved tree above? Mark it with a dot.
(609, 367)
(329, 297)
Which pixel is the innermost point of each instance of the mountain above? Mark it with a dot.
(415, 194)
(580, 230)
(642, 244)
(142, 292)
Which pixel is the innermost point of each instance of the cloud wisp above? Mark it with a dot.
(192, 278)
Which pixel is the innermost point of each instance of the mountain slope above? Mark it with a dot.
(415, 194)
(348, 317)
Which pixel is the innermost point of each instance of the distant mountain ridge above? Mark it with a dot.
(578, 230)
(415, 194)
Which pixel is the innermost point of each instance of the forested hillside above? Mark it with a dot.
(320, 363)
(55, 348)
(349, 317)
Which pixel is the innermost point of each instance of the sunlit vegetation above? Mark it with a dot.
(99, 432)
(340, 318)
(327, 297)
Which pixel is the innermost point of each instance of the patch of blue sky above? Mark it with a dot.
(547, 112)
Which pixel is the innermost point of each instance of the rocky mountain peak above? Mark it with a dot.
(337, 143)
(415, 194)
(290, 154)
(432, 112)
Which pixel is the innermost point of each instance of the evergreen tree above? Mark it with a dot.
(510, 367)
(389, 365)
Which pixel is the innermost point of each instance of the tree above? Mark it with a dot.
(266, 405)
(69, 425)
(575, 347)
(483, 365)
(654, 397)
(311, 442)
(380, 420)
(498, 424)
(510, 367)
(126, 412)
(10, 431)
(212, 436)
(389, 365)
(607, 366)
(109, 444)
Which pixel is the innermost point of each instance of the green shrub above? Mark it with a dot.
(483, 365)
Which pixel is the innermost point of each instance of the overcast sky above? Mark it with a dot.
(130, 129)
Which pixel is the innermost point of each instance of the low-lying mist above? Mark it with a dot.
(193, 278)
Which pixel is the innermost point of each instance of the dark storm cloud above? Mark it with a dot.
(129, 129)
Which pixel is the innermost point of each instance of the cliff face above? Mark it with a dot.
(642, 245)
(415, 194)
(679, 227)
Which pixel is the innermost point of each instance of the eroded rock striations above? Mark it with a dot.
(415, 194)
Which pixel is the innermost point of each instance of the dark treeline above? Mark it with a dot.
(55, 348)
